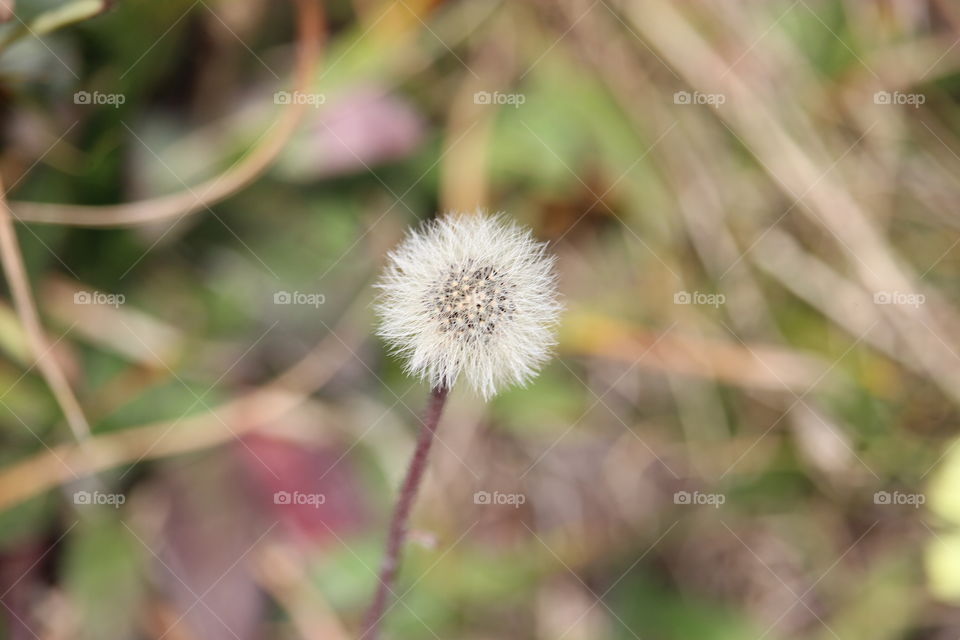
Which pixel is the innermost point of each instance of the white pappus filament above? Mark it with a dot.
(471, 295)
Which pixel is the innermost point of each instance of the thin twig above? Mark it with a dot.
(16, 275)
(401, 513)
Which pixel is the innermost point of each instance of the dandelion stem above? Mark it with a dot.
(401, 513)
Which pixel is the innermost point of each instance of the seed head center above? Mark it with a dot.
(472, 301)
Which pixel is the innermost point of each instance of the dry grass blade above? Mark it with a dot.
(758, 367)
(202, 196)
(800, 169)
(280, 570)
(223, 423)
(16, 275)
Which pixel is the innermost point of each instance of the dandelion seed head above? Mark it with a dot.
(471, 295)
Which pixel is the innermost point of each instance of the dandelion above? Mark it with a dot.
(471, 296)
(464, 297)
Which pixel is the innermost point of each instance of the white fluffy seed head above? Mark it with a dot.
(472, 295)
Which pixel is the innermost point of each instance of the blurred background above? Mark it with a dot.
(749, 428)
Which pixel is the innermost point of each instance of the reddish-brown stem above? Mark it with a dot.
(401, 514)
